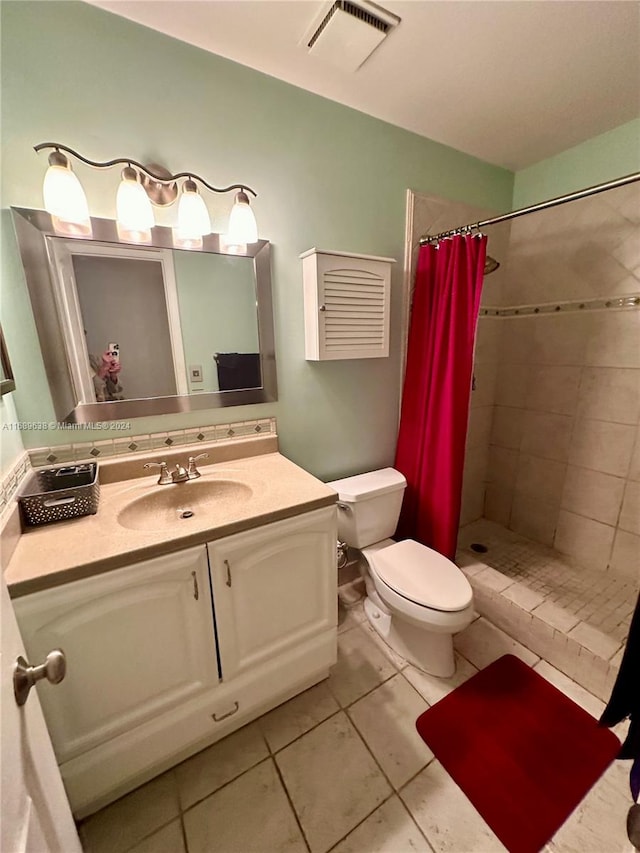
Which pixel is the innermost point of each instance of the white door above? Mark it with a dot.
(139, 641)
(274, 587)
(36, 817)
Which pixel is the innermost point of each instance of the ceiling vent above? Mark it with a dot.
(347, 34)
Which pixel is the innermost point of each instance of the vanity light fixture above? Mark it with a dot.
(134, 216)
(193, 218)
(141, 186)
(243, 227)
(64, 198)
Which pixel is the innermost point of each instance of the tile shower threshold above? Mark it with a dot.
(528, 610)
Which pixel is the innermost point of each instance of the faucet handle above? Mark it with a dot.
(193, 471)
(165, 476)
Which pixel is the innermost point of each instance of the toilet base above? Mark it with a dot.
(429, 651)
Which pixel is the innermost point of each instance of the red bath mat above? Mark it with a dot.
(523, 752)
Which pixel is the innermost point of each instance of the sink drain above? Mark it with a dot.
(478, 548)
(185, 513)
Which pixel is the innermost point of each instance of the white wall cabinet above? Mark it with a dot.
(347, 301)
(143, 688)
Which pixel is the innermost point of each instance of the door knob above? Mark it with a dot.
(25, 676)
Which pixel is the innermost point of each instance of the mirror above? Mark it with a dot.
(7, 382)
(129, 330)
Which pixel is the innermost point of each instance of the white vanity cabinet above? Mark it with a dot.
(138, 641)
(272, 590)
(156, 669)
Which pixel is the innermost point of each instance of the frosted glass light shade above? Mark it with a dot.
(65, 200)
(193, 216)
(243, 227)
(134, 215)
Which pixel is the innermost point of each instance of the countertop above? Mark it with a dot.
(57, 553)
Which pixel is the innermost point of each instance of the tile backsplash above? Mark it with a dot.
(12, 479)
(88, 450)
(70, 453)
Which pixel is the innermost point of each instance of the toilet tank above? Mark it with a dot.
(372, 504)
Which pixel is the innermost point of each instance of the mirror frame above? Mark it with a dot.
(7, 381)
(34, 228)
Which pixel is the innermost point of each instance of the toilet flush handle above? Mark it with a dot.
(343, 506)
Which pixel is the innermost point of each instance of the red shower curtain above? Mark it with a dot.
(437, 387)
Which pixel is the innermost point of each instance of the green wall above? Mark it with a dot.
(326, 175)
(602, 158)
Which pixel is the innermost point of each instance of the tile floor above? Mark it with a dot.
(341, 768)
(601, 599)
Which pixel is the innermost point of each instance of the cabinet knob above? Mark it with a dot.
(25, 676)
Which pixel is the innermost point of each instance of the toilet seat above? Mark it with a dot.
(422, 576)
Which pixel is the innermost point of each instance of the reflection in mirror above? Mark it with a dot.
(147, 330)
(7, 382)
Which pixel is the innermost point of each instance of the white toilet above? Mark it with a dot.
(416, 598)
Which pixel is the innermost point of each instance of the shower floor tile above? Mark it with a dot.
(603, 600)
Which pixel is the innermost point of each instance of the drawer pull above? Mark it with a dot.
(228, 581)
(230, 713)
(195, 586)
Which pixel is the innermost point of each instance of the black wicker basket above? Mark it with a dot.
(57, 494)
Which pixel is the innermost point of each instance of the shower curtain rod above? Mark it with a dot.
(543, 205)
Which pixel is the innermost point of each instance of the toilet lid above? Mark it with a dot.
(423, 575)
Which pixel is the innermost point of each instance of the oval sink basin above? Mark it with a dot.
(196, 501)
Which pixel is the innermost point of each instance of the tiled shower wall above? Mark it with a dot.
(564, 458)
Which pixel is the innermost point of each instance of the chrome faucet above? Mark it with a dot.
(181, 474)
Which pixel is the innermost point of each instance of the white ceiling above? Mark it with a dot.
(509, 81)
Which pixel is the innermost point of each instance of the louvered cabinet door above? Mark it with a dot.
(347, 302)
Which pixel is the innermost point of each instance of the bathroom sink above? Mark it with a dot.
(182, 504)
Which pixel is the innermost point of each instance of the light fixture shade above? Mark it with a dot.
(193, 216)
(64, 199)
(243, 227)
(134, 215)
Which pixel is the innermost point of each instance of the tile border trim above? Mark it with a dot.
(574, 306)
(146, 442)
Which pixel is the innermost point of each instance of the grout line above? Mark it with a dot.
(293, 808)
(308, 731)
(369, 750)
(412, 818)
(225, 784)
(380, 804)
(146, 837)
(184, 833)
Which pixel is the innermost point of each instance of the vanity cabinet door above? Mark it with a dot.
(138, 641)
(274, 588)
